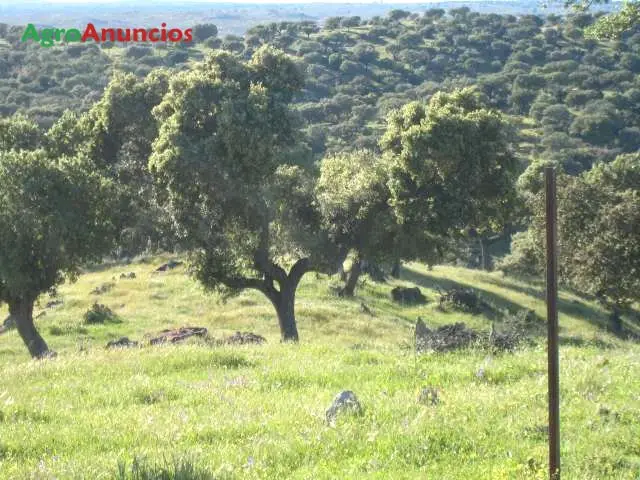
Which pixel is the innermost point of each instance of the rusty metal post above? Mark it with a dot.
(552, 324)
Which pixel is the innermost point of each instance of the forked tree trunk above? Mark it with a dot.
(284, 298)
(22, 313)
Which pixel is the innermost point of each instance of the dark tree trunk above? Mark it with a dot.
(22, 313)
(395, 270)
(285, 308)
(284, 298)
(616, 319)
(483, 260)
(352, 278)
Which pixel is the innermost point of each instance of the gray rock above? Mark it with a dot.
(9, 322)
(345, 401)
(444, 338)
(123, 342)
(410, 296)
(104, 288)
(170, 265)
(244, 338)
(428, 396)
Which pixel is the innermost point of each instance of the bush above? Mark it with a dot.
(99, 314)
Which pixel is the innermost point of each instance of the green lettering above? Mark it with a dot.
(30, 33)
(47, 37)
(58, 32)
(73, 35)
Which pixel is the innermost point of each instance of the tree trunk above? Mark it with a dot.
(483, 261)
(284, 298)
(616, 319)
(22, 313)
(395, 270)
(352, 279)
(285, 308)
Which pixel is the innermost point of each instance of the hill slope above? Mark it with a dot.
(257, 411)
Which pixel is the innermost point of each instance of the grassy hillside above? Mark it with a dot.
(258, 411)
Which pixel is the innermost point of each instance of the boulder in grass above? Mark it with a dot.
(461, 299)
(104, 288)
(178, 335)
(344, 402)
(244, 338)
(7, 325)
(409, 296)
(445, 338)
(122, 342)
(170, 265)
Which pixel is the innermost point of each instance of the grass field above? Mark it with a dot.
(201, 411)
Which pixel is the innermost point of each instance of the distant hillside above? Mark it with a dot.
(235, 18)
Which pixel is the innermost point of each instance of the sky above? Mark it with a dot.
(132, 3)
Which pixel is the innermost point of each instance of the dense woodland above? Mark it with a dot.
(394, 138)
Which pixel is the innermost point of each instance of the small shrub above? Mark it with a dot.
(99, 314)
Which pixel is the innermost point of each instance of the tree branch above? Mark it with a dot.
(298, 270)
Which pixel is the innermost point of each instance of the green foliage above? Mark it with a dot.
(56, 216)
(98, 314)
(599, 241)
(452, 165)
(204, 31)
(223, 125)
(353, 199)
(19, 133)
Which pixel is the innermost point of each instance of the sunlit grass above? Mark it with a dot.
(199, 411)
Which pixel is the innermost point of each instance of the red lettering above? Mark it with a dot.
(90, 32)
(187, 35)
(111, 32)
(121, 35)
(139, 35)
(175, 35)
(154, 33)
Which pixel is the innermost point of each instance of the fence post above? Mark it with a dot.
(552, 324)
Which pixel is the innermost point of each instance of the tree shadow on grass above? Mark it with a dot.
(573, 308)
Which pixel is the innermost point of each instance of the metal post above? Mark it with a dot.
(552, 324)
